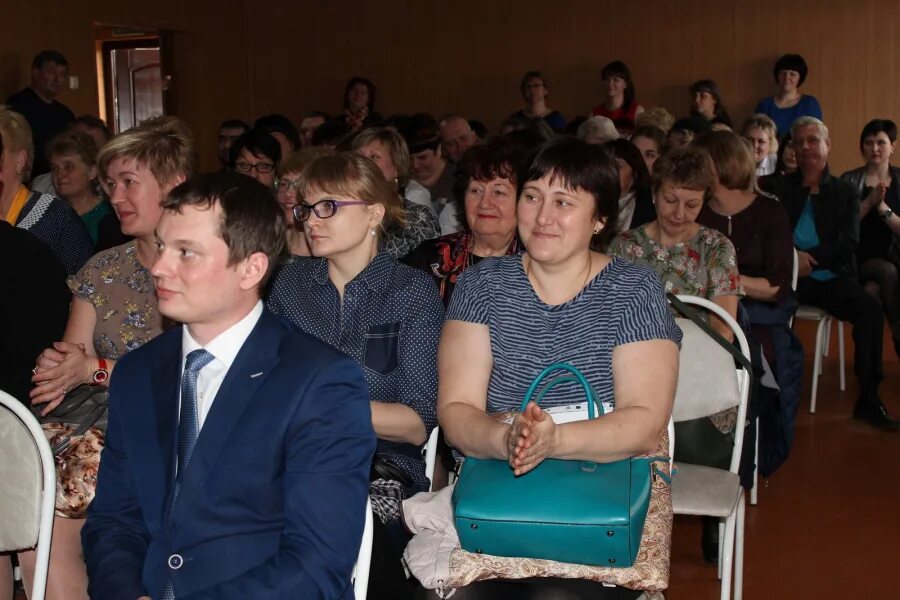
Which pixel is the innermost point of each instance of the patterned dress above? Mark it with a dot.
(121, 291)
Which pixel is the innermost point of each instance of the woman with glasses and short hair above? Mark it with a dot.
(256, 154)
(385, 315)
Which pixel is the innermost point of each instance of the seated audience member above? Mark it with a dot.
(33, 307)
(114, 309)
(619, 104)
(706, 102)
(824, 212)
(491, 172)
(689, 258)
(457, 136)
(597, 130)
(73, 165)
(517, 122)
(311, 121)
(256, 154)
(46, 116)
(289, 171)
(49, 219)
(759, 130)
(280, 128)
(535, 93)
(387, 149)
(657, 117)
(384, 315)
(563, 301)
(787, 157)
(330, 134)
(684, 130)
(429, 169)
(254, 475)
(650, 140)
(93, 127)
(878, 253)
(229, 132)
(758, 227)
(359, 105)
(789, 104)
(635, 194)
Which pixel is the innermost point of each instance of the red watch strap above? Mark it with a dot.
(101, 364)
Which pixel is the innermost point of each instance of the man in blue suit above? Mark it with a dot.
(238, 451)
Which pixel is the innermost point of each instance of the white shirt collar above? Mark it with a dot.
(225, 346)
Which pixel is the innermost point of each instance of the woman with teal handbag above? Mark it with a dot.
(564, 301)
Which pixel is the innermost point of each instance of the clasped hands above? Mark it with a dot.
(532, 437)
(60, 369)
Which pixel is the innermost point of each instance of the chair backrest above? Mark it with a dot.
(430, 452)
(795, 272)
(28, 490)
(707, 380)
(360, 576)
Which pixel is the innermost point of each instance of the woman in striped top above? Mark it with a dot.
(562, 301)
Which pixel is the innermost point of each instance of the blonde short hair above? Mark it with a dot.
(16, 135)
(657, 117)
(297, 160)
(396, 146)
(761, 121)
(164, 145)
(352, 175)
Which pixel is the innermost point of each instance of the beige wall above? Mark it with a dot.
(232, 58)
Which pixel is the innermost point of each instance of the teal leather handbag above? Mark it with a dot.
(569, 511)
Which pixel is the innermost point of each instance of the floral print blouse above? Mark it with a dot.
(704, 266)
(122, 293)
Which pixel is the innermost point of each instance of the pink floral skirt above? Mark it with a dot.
(76, 468)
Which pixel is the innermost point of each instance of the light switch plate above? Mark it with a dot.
(73, 82)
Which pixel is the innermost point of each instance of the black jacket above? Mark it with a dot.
(836, 213)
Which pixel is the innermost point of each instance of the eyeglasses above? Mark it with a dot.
(286, 185)
(323, 208)
(245, 167)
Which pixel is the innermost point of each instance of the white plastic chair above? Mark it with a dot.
(708, 384)
(360, 576)
(823, 340)
(28, 493)
(431, 456)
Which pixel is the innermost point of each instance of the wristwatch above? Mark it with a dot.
(887, 214)
(101, 375)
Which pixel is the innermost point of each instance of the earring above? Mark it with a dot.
(598, 229)
(372, 232)
(19, 172)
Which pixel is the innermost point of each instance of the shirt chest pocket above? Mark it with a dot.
(381, 348)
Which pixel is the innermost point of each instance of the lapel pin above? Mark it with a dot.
(256, 375)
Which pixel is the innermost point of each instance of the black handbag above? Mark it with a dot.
(86, 406)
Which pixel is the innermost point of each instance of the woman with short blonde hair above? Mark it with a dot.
(762, 134)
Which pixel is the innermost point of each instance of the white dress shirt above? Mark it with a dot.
(224, 347)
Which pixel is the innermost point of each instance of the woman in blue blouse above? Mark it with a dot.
(385, 315)
(789, 104)
(564, 300)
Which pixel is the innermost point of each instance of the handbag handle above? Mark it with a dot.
(578, 377)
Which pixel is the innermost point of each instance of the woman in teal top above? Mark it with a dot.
(73, 166)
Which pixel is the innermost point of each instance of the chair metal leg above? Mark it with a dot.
(840, 325)
(753, 491)
(817, 365)
(727, 557)
(739, 551)
(721, 545)
(827, 341)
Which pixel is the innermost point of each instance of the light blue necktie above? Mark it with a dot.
(188, 429)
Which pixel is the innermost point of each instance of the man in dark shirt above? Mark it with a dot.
(38, 104)
(34, 306)
(824, 214)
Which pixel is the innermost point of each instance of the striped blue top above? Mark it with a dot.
(624, 303)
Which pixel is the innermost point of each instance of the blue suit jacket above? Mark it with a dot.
(272, 503)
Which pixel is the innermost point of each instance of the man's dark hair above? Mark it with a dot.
(330, 133)
(317, 113)
(234, 124)
(280, 124)
(252, 221)
(257, 143)
(576, 164)
(694, 124)
(45, 56)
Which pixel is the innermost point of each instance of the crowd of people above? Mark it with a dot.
(282, 336)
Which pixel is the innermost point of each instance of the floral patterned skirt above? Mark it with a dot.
(76, 468)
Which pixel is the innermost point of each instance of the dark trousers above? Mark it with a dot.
(848, 301)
